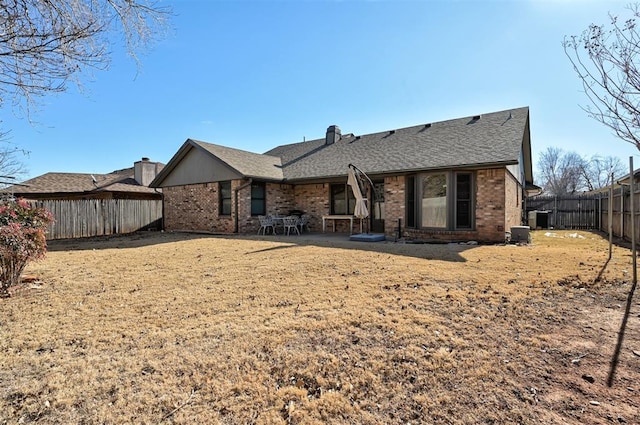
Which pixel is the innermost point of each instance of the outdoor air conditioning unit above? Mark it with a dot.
(520, 234)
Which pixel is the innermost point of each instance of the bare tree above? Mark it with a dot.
(562, 172)
(44, 44)
(606, 61)
(598, 169)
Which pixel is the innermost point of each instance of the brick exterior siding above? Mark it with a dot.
(394, 205)
(313, 199)
(195, 207)
(513, 202)
(495, 210)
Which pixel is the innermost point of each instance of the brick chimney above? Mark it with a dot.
(145, 171)
(333, 134)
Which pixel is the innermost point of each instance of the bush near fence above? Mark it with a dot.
(79, 218)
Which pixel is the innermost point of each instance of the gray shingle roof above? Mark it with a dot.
(494, 138)
(246, 163)
(491, 139)
(49, 183)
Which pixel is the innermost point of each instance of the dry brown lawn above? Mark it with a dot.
(176, 328)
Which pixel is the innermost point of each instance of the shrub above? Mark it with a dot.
(22, 239)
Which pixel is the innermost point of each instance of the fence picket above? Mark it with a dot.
(590, 211)
(567, 212)
(97, 217)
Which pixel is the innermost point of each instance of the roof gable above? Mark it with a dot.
(201, 162)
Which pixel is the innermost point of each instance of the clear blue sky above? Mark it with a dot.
(254, 75)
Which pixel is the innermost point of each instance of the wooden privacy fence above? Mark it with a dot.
(80, 218)
(565, 212)
(621, 218)
(588, 212)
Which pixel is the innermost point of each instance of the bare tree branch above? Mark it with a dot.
(11, 165)
(562, 172)
(567, 172)
(45, 44)
(606, 61)
(598, 169)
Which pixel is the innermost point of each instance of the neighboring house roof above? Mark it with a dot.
(622, 181)
(60, 183)
(494, 139)
(626, 178)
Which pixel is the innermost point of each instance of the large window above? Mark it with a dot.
(443, 200)
(434, 200)
(224, 192)
(342, 200)
(258, 198)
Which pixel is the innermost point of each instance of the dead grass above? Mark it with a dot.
(174, 328)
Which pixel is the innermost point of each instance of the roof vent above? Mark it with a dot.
(477, 117)
(391, 132)
(427, 126)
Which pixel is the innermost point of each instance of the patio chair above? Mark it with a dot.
(290, 222)
(265, 223)
(304, 222)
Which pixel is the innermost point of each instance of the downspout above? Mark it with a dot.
(235, 198)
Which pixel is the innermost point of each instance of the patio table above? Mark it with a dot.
(333, 219)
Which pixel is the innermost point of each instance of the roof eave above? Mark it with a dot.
(478, 166)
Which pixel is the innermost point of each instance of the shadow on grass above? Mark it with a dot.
(616, 353)
(604, 267)
(442, 252)
(625, 318)
(129, 240)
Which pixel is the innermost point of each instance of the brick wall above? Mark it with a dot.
(513, 202)
(194, 207)
(246, 223)
(394, 204)
(279, 201)
(490, 213)
(313, 199)
(490, 204)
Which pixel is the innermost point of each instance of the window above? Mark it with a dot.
(258, 198)
(463, 201)
(342, 200)
(444, 200)
(410, 190)
(434, 200)
(224, 193)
